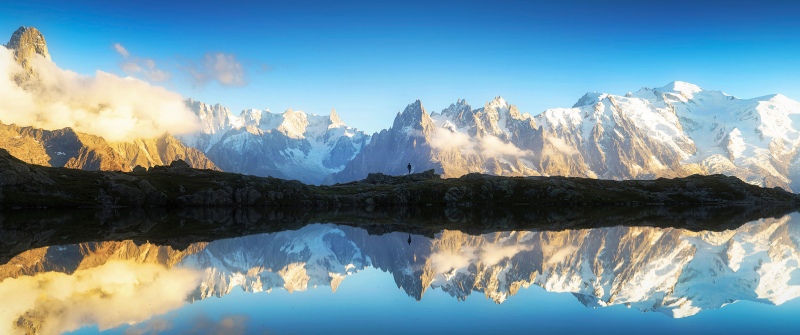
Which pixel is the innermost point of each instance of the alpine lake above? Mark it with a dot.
(621, 270)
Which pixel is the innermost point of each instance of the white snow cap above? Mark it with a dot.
(682, 88)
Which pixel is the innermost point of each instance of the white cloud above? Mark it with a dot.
(220, 67)
(444, 261)
(492, 254)
(118, 109)
(110, 295)
(444, 139)
(140, 67)
(488, 146)
(561, 146)
(558, 254)
(492, 146)
(121, 50)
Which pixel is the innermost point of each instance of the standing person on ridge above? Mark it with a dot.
(409, 168)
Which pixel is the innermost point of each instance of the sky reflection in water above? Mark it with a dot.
(507, 281)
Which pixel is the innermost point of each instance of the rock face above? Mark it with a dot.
(26, 42)
(390, 151)
(291, 145)
(67, 148)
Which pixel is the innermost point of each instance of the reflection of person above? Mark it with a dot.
(409, 168)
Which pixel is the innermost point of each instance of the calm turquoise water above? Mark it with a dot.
(325, 278)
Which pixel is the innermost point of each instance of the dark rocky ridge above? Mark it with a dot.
(179, 185)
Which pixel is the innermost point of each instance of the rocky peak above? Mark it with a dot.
(294, 124)
(590, 98)
(27, 42)
(413, 117)
(459, 108)
(334, 119)
(498, 103)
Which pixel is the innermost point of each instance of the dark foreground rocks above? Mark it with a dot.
(178, 185)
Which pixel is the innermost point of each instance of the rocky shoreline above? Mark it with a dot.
(24, 185)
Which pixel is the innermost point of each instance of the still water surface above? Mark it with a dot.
(327, 278)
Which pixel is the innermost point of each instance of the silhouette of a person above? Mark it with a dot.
(409, 239)
(409, 168)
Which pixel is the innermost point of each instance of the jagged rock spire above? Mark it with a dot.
(27, 42)
(334, 118)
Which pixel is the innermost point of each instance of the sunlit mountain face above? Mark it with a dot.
(676, 272)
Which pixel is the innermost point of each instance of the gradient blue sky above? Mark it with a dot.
(369, 59)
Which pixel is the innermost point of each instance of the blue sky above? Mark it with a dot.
(369, 59)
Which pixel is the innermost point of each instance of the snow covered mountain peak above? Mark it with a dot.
(289, 145)
(457, 108)
(294, 124)
(334, 119)
(413, 111)
(681, 87)
(590, 98)
(413, 118)
(498, 103)
(675, 91)
(779, 99)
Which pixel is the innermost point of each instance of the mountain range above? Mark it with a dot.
(675, 130)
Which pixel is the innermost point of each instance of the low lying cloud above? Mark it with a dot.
(444, 261)
(118, 109)
(493, 254)
(444, 139)
(140, 67)
(487, 146)
(558, 255)
(560, 146)
(491, 146)
(220, 67)
(116, 293)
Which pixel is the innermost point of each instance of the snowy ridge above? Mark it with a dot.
(293, 260)
(675, 130)
(290, 145)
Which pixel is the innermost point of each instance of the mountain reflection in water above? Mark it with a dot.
(673, 271)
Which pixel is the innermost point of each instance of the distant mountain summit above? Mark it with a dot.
(27, 42)
(289, 145)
